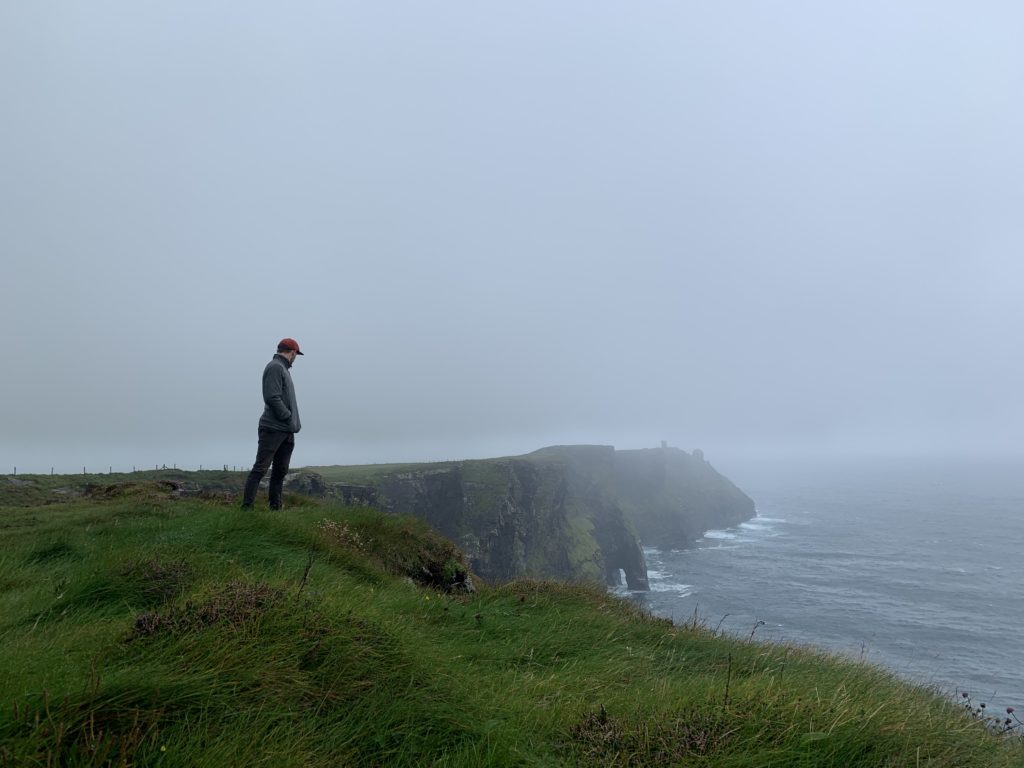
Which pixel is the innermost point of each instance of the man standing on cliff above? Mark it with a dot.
(278, 425)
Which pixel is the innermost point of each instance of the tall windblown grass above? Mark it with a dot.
(137, 629)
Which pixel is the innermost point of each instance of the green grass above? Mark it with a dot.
(140, 630)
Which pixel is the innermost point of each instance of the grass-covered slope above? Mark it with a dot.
(137, 629)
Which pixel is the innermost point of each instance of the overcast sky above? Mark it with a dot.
(749, 227)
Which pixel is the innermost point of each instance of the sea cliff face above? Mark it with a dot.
(564, 512)
(521, 517)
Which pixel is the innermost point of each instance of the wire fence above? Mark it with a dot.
(136, 469)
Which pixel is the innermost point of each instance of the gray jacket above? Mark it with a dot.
(281, 411)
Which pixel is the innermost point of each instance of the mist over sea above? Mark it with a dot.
(916, 565)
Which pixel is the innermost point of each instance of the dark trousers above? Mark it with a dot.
(275, 448)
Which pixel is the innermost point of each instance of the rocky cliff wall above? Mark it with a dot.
(517, 517)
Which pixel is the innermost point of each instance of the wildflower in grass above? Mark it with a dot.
(1009, 710)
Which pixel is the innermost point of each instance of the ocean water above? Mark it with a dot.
(916, 565)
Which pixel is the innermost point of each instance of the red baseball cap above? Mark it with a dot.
(290, 344)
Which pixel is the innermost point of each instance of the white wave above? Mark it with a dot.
(683, 590)
(719, 535)
(755, 525)
(746, 532)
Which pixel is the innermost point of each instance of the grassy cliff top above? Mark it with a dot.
(367, 473)
(589, 458)
(139, 629)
